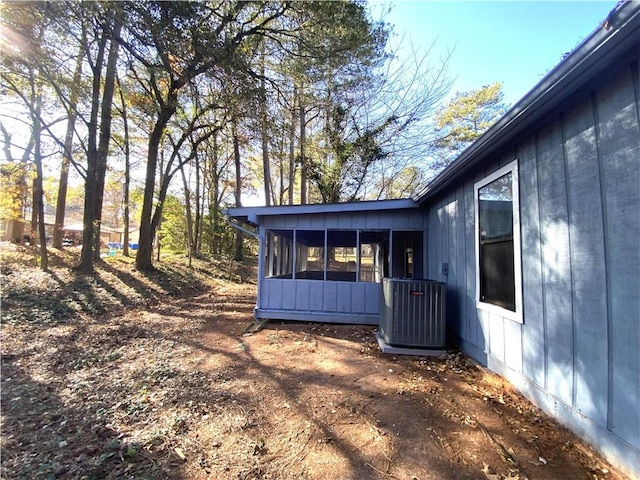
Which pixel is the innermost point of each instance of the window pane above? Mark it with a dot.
(496, 208)
(406, 258)
(310, 254)
(341, 255)
(279, 254)
(374, 257)
(495, 216)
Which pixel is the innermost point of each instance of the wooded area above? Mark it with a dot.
(166, 113)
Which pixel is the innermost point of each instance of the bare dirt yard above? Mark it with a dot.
(124, 375)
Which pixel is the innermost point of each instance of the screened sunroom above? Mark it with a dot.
(326, 262)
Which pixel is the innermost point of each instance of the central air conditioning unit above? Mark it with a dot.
(412, 313)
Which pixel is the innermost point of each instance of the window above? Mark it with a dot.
(310, 254)
(343, 255)
(373, 261)
(498, 279)
(406, 254)
(278, 254)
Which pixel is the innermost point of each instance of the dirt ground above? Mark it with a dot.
(172, 388)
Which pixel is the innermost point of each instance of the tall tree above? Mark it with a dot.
(342, 178)
(176, 42)
(68, 146)
(125, 146)
(38, 192)
(189, 214)
(238, 255)
(106, 117)
(219, 172)
(360, 115)
(264, 127)
(107, 28)
(463, 119)
(27, 58)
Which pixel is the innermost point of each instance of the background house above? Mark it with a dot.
(12, 231)
(74, 232)
(535, 229)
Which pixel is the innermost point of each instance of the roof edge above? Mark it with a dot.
(320, 208)
(614, 27)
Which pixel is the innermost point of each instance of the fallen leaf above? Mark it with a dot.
(487, 472)
(180, 453)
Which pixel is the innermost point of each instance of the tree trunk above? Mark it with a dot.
(127, 173)
(282, 189)
(266, 167)
(265, 160)
(33, 231)
(162, 196)
(145, 242)
(38, 193)
(86, 255)
(105, 133)
(292, 145)
(195, 247)
(187, 201)
(61, 204)
(303, 161)
(238, 256)
(214, 204)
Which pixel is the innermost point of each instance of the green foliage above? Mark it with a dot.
(341, 178)
(173, 230)
(336, 38)
(404, 184)
(186, 71)
(217, 235)
(466, 117)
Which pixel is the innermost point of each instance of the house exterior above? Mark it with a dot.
(325, 263)
(566, 158)
(535, 229)
(74, 231)
(12, 231)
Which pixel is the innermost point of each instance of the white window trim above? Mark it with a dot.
(516, 316)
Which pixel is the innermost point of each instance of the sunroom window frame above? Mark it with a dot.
(517, 315)
(386, 266)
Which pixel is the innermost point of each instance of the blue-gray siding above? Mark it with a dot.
(577, 354)
(402, 219)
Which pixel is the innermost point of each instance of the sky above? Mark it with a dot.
(515, 42)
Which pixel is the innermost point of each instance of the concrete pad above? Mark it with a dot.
(420, 352)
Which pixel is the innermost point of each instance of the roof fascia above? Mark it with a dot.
(252, 213)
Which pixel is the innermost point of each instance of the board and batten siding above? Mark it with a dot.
(401, 219)
(577, 352)
(330, 301)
